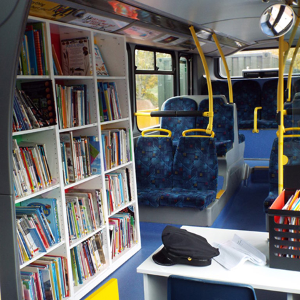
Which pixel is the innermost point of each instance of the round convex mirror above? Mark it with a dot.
(277, 20)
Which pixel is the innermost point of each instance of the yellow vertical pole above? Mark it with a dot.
(210, 113)
(291, 39)
(226, 67)
(280, 111)
(289, 83)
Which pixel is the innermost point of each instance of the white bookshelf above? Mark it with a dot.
(113, 50)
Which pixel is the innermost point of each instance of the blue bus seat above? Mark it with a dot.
(181, 288)
(291, 148)
(154, 165)
(178, 124)
(246, 95)
(292, 120)
(223, 125)
(269, 105)
(219, 88)
(195, 174)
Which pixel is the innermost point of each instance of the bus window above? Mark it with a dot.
(183, 76)
(154, 79)
(256, 59)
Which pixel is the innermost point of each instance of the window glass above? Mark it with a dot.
(183, 73)
(144, 60)
(151, 91)
(163, 61)
(257, 59)
(152, 87)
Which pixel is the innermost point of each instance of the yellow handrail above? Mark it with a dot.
(255, 130)
(289, 129)
(210, 113)
(289, 83)
(280, 110)
(226, 67)
(291, 40)
(140, 114)
(169, 132)
(212, 134)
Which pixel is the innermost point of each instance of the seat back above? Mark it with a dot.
(154, 162)
(246, 95)
(269, 100)
(292, 120)
(180, 288)
(223, 124)
(195, 164)
(178, 124)
(219, 88)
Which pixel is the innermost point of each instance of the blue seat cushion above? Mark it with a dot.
(151, 197)
(192, 198)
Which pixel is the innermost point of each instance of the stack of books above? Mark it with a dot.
(31, 171)
(122, 232)
(80, 157)
(84, 212)
(33, 56)
(116, 147)
(108, 102)
(46, 278)
(87, 258)
(73, 106)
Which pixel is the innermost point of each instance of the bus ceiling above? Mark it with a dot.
(165, 24)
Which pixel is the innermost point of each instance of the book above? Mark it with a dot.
(236, 251)
(31, 47)
(49, 208)
(67, 140)
(101, 69)
(76, 56)
(41, 94)
(56, 62)
(94, 153)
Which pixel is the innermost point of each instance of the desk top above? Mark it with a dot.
(259, 277)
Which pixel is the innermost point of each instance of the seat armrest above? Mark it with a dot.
(255, 130)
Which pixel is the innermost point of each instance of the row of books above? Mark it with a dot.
(87, 258)
(122, 231)
(108, 102)
(31, 171)
(37, 227)
(73, 105)
(118, 189)
(84, 212)
(26, 115)
(33, 57)
(116, 147)
(46, 279)
(80, 157)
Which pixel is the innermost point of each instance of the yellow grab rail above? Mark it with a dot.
(255, 130)
(140, 114)
(212, 134)
(226, 67)
(289, 129)
(210, 113)
(289, 83)
(169, 132)
(280, 111)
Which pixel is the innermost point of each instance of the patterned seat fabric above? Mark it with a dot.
(291, 149)
(178, 124)
(269, 105)
(219, 88)
(154, 163)
(292, 120)
(195, 174)
(246, 95)
(222, 124)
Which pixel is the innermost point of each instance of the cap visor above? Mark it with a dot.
(161, 259)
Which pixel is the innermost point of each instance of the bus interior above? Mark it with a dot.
(218, 81)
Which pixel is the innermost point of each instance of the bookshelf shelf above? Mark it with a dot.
(23, 132)
(90, 192)
(41, 192)
(74, 243)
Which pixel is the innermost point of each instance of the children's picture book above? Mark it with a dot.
(49, 208)
(94, 146)
(76, 57)
(101, 69)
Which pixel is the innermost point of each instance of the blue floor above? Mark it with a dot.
(243, 211)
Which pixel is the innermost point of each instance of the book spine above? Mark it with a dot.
(38, 52)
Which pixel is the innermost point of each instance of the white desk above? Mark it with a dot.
(264, 278)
